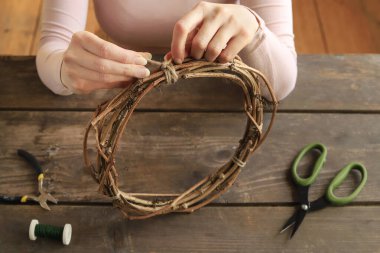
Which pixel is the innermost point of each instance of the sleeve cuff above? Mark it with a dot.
(49, 71)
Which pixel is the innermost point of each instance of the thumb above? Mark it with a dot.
(168, 55)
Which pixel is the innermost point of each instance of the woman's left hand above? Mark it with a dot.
(213, 31)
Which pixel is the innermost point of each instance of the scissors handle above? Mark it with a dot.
(340, 177)
(317, 166)
(31, 159)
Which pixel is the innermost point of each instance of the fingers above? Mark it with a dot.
(209, 28)
(214, 31)
(83, 81)
(168, 56)
(233, 48)
(91, 63)
(182, 29)
(79, 72)
(219, 42)
(104, 66)
(146, 55)
(107, 50)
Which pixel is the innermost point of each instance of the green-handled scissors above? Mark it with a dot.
(329, 198)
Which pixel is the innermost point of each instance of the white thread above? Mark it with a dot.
(238, 162)
(117, 196)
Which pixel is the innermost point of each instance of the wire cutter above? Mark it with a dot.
(44, 196)
(329, 198)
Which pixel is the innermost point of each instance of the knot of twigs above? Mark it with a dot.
(169, 70)
(112, 116)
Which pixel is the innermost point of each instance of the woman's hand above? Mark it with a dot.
(212, 31)
(91, 63)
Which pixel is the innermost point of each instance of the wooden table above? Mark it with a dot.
(186, 131)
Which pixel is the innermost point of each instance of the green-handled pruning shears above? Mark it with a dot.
(44, 196)
(329, 198)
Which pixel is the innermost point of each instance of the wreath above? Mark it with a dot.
(111, 117)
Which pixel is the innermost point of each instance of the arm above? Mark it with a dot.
(272, 49)
(221, 31)
(71, 60)
(59, 21)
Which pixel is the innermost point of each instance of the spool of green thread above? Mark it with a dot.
(50, 231)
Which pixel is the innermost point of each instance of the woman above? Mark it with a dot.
(70, 60)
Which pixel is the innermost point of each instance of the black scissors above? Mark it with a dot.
(329, 198)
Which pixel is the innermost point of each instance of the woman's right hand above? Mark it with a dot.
(91, 63)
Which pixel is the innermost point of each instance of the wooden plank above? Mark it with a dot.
(173, 151)
(308, 37)
(18, 23)
(210, 229)
(328, 83)
(372, 11)
(37, 35)
(336, 83)
(347, 27)
(372, 8)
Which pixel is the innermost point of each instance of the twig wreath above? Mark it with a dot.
(111, 118)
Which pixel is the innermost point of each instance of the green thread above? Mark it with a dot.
(48, 231)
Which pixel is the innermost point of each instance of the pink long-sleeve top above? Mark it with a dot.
(147, 25)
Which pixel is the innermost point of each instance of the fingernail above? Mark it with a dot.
(141, 60)
(148, 55)
(143, 73)
(177, 60)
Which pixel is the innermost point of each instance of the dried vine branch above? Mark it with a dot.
(111, 118)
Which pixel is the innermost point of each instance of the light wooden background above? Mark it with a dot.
(320, 26)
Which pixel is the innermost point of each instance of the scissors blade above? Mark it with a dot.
(44, 205)
(51, 198)
(289, 223)
(300, 216)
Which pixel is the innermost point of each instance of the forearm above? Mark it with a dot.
(59, 21)
(48, 62)
(273, 53)
(277, 62)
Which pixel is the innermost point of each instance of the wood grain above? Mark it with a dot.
(169, 152)
(371, 8)
(18, 24)
(308, 35)
(211, 229)
(328, 83)
(347, 27)
(36, 36)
